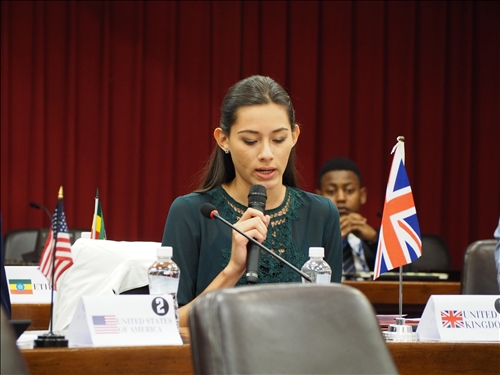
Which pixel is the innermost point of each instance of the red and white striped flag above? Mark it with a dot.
(62, 245)
(399, 240)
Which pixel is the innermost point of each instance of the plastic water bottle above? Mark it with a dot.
(316, 267)
(164, 276)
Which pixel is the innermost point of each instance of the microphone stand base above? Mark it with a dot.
(400, 332)
(50, 340)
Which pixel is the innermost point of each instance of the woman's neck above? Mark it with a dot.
(239, 193)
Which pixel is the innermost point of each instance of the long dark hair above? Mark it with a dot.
(254, 90)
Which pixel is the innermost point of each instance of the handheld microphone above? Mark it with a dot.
(209, 211)
(39, 206)
(256, 199)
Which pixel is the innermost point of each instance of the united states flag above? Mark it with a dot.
(104, 324)
(63, 258)
(399, 240)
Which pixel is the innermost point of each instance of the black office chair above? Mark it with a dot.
(12, 360)
(20, 244)
(287, 329)
(435, 255)
(479, 273)
(24, 246)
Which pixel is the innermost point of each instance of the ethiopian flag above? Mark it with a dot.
(20, 286)
(98, 232)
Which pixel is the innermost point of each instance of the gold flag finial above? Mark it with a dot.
(400, 138)
(60, 195)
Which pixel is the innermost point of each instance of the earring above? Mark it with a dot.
(226, 151)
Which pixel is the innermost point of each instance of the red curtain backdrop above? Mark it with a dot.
(124, 96)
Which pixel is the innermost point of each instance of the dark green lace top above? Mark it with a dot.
(202, 247)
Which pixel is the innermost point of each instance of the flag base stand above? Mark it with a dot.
(400, 332)
(50, 340)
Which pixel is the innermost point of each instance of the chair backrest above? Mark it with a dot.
(19, 243)
(12, 360)
(24, 246)
(479, 273)
(435, 255)
(288, 328)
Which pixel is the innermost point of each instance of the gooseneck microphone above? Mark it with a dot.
(256, 199)
(209, 211)
(39, 206)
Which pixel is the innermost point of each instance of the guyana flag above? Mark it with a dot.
(20, 286)
(98, 232)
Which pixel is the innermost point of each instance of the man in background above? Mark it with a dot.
(339, 179)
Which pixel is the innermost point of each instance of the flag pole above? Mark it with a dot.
(402, 140)
(401, 292)
(94, 220)
(55, 229)
(51, 340)
(400, 331)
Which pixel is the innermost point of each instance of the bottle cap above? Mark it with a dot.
(164, 252)
(316, 252)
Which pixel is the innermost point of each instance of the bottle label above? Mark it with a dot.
(163, 285)
(324, 278)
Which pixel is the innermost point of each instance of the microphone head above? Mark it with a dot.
(257, 195)
(35, 205)
(207, 210)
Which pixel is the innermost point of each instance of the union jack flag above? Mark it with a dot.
(63, 258)
(399, 240)
(452, 319)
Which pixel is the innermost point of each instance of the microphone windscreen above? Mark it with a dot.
(257, 195)
(206, 210)
(35, 205)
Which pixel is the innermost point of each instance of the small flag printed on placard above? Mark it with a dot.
(452, 319)
(20, 286)
(104, 324)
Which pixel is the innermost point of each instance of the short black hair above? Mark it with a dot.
(339, 164)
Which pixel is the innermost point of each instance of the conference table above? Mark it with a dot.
(384, 296)
(411, 358)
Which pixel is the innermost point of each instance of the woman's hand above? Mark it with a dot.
(254, 224)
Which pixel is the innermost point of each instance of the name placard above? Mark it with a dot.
(124, 320)
(461, 318)
(27, 285)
